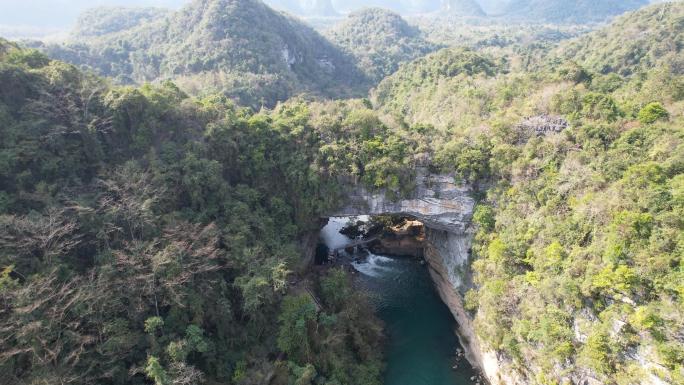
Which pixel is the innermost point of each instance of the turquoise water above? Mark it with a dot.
(421, 344)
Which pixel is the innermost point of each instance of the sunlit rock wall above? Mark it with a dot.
(437, 201)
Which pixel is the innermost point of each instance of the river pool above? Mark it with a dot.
(422, 345)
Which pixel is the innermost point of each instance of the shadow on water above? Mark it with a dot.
(422, 344)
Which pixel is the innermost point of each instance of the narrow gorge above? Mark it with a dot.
(445, 208)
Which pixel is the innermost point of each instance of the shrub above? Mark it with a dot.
(652, 113)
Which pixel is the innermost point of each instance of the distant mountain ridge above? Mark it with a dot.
(641, 40)
(578, 11)
(380, 40)
(462, 7)
(106, 20)
(242, 47)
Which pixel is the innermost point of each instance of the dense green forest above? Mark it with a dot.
(106, 20)
(380, 40)
(579, 255)
(243, 49)
(149, 235)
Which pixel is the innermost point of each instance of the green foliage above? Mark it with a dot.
(312, 340)
(168, 226)
(600, 107)
(243, 49)
(635, 42)
(335, 289)
(101, 21)
(652, 113)
(468, 159)
(484, 217)
(596, 352)
(156, 372)
(573, 72)
(380, 40)
(153, 324)
(29, 58)
(298, 315)
(6, 281)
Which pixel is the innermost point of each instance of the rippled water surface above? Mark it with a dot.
(421, 342)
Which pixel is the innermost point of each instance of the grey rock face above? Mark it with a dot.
(437, 201)
(453, 249)
(446, 209)
(542, 125)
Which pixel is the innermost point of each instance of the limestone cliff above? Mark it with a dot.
(437, 201)
(446, 209)
(448, 257)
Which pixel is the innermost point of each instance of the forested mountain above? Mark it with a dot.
(402, 6)
(578, 11)
(650, 37)
(107, 20)
(241, 47)
(380, 40)
(439, 89)
(427, 88)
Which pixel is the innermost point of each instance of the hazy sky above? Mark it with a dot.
(34, 17)
(61, 13)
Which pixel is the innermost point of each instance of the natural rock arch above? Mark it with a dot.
(437, 201)
(446, 209)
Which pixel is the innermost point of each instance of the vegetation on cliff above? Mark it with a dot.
(578, 260)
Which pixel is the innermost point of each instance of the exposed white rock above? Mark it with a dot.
(326, 64)
(454, 250)
(437, 201)
(288, 58)
(446, 209)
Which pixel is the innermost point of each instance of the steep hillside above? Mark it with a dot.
(578, 262)
(450, 88)
(642, 41)
(149, 237)
(650, 37)
(579, 11)
(241, 47)
(380, 40)
(105, 20)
